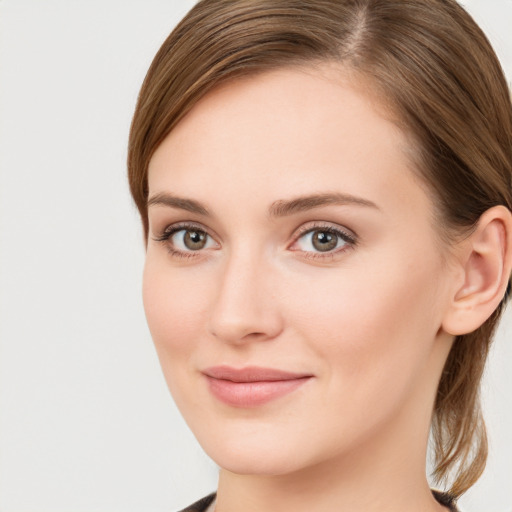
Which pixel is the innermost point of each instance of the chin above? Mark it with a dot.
(261, 453)
(262, 464)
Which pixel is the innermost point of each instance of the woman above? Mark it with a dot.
(325, 190)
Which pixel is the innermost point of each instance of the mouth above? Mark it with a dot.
(252, 386)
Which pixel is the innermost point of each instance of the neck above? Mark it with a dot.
(354, 484)
(387, 474)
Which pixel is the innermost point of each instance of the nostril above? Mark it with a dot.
(242, 310)
(259, 326)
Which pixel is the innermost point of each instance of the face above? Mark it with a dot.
(294, 283)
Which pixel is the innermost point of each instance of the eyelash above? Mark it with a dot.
(169, 231)
(349, 239)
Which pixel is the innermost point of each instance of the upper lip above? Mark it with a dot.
(252, 374)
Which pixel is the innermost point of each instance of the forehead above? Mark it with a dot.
(286, 132)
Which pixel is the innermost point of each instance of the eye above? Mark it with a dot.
(185, 240)
(190, 240)
(323, 239)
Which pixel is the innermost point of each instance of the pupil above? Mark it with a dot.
(195, 240)
(324, 241)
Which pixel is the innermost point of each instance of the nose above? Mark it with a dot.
(245, 306)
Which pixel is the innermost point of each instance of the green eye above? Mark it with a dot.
(321, 240)
(190, 240)
(324, 241)
(193, 240)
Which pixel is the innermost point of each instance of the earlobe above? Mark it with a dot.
(486, 261)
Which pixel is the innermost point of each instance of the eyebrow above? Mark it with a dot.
(180, 203)
(280, 208)
(283, 208)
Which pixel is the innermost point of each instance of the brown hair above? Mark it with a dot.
(433, 65)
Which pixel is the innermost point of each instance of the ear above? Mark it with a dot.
(485, 259)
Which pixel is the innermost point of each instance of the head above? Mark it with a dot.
(427, 72)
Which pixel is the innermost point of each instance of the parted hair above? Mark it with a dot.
(435, 69)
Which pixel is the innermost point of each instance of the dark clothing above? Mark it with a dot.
(203, 504)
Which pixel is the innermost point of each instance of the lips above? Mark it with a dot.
(252, 386)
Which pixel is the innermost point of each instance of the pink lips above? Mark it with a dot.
(251, 386)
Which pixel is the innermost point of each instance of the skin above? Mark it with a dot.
(365, 319)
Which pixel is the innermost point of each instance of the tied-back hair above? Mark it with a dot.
(435, 70)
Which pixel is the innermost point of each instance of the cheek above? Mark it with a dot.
(175, 307)
(373, 325)
(174, 303)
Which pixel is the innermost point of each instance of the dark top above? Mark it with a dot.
(203, 504)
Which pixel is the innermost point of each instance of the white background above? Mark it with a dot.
(86, 422)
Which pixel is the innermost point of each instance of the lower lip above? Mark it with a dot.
(252, 394)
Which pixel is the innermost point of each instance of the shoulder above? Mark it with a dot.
(201, 505)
